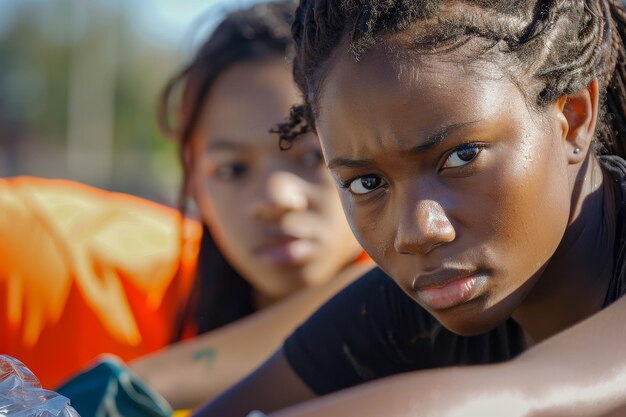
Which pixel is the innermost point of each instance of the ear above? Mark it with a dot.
(577, 116)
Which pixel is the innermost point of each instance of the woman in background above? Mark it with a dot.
(274, 236)
(274, 225)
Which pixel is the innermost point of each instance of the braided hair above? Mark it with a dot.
(559, 45)
(220, 295)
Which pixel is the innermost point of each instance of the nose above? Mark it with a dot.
(281, 193)
(424, 227)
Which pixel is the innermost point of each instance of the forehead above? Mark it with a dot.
(247, 100)
(405, 98)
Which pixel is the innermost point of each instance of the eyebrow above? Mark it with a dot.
(431, 142)
(223, 144)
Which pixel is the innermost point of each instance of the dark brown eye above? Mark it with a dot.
(229, 172)
(462, 156)
(364, 185)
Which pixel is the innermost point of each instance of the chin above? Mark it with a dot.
(469, 320)
(288, 285)
(469, 328)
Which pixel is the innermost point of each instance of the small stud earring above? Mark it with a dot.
(577, 151)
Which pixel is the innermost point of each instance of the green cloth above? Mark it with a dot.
(110, 389)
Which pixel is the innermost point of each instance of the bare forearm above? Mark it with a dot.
(580, 372)
(446, 392)
(490, 390)
(190, 373)
(272, 386)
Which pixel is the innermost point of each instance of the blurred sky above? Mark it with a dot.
(175, 21)
(79, 83)
(168, 21)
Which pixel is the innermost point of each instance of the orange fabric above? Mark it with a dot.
(85, 271)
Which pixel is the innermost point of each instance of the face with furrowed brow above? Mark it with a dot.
(451, 183)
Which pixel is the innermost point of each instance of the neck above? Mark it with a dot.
(574, 283)
(262, 300)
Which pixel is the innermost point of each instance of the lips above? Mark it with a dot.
(448, 288)
(286, 251)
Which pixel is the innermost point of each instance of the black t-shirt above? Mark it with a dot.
(372, 329)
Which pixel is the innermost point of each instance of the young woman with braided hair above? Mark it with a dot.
(477, 147)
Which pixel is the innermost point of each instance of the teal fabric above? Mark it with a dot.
(110, 389)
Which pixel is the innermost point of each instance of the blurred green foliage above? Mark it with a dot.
(40, 48)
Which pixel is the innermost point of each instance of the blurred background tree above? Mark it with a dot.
(79, 81)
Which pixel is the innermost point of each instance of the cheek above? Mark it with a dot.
(368, 227)
(230, 231)
(221, 213)
(529, 209)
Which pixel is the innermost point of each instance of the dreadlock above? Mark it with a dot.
(559, 45)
